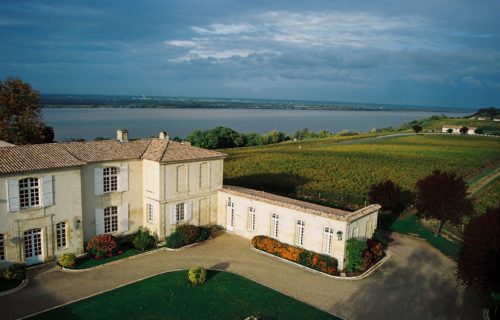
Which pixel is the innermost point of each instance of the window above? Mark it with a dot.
(149, 208)
(251, 218)
(2, 248)
(110, 219)
(61, 235)
(29, 192)
(110, 179)
(179, 212)
(299, 232)
(327, 240)
(274, 225)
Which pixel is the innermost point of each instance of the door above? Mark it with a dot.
(33, 246)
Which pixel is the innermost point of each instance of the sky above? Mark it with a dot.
(426, 52)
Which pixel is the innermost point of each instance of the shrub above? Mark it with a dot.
(143, 239)
(355, 249)
(187, 234)
(67, 260)
(306, 258)
(102, 246)
(197, 275)
(14, 272)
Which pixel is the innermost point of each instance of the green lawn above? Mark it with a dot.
(88, 262)
(410, 225)
(171, 296)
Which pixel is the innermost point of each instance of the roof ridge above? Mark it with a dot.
(164, 150)
(147, 147)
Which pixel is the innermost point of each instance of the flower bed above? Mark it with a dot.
(310, 259)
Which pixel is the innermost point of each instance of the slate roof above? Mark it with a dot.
(294, 204)
(69, 154)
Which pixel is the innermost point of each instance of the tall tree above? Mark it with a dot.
(464, 130)
(479, 258)
(416, 128)
(388, 195)
(20, 119)
(442, 196)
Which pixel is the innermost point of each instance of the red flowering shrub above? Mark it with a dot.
(373, 253)
(306, 258)
(102, 246)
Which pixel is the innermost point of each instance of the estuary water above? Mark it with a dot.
(88, 123)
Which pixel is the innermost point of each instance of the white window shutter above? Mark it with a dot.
(123, 218)
(123, 180)
(13, 195)
(48, 193)
(189, 210)
(173, 218)
(98, 182)
(99, 221)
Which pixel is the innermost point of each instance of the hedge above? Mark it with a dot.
(310, 259)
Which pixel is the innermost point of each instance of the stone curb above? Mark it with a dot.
(163, 272)
(362, 276)
(19, 287)
(186, 247)
(112, 262)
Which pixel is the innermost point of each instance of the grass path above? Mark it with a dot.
(483, 181)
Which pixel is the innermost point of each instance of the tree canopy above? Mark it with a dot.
(389, 195)
(442, 196)
(20, 119)
(417, 128)
(479, 257)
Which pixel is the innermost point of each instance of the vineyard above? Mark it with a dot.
(340, 173)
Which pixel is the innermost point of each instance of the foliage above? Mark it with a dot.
(313, 260)
(487, 197)
(416, 128)
(310, 134)
(378, 235)
(464, 130)
(479, 257)
(15, 272)
(102, 246)
(187, 234)
(216, 138)
(355, 249)
(143, 239)
(449, 130)
(491, 112)
(442, 196)
(67, 260)
(389, 196)
(478, 131)
(373, 253)
(341, 174)
(20, 119)
(197, 275)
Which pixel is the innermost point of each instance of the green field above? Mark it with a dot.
(488, 126)
(488, 197)
(171, 296)
(340, 174)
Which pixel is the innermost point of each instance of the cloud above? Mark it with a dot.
(471, 81)
(181, 43)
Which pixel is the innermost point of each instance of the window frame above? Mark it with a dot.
(61, 235)
(179, 212)
(110, 179)
(29, 193)
(299, 232)
(251, 218)
(275, 219)
(328, 233)
(110, 219)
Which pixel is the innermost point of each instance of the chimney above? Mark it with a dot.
(164, 136)
(122, 135)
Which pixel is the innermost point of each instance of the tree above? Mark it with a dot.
(254, 139)
(417, 128)
(479, 257)
(449, 130)
(388, 195)
(20, 119)
(442, 196)
(478, 131)
(464, 130)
